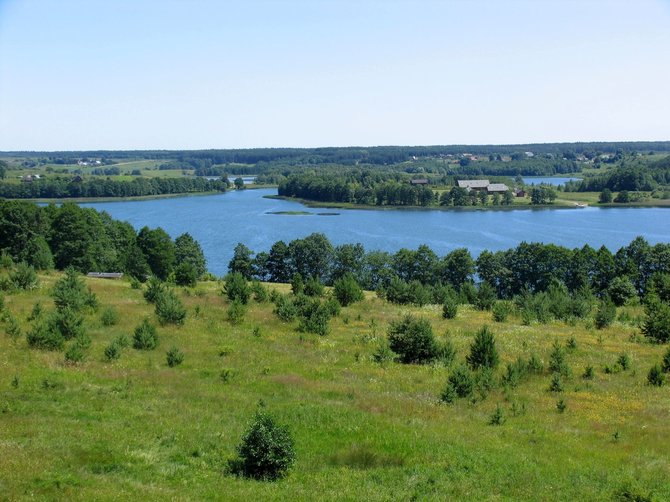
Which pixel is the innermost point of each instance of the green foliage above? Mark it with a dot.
(155, 288)
(656, 324)
(109, 317)
(501, 310)
(266, 451)
(315, 317)
(556, 384)
(68, 322)
(606, 313)
(561, 406)
(605, 196)
(313, 287)
(413, 340)
(450, 307)
(75, 353)
(483, 352)
(630, 491)
(446, 351)
(38, 254)
(624, 361)
(42, 337)
(188, 253)
(542, 194)
(36, 312)
(557, 361)
(13, 329)
(571, 344)
(174, 357)
(347, 290)
(23, 276)
(589, 372)
(112, 352)
(656, 376)
(260, 292)
(486, 296)
(159, 251)
(170, 309)
(621, 290)
(515, 372)
(460, 384)
(498, 417)
(236, 312)
(237, 288)
(71, 292)
(185, 274)
(297, 284)
(665, 363)
(145, 336)
(383, 354)
(285, 308)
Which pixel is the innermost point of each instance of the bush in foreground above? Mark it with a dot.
(266, 451)
(145, 337)
(347, 290)
(483, 352)
(174, 357)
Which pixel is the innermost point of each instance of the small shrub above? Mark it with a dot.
(535, 365)
(606, 313)
(485, 382)
(623, 361)
(571, 344)
(112, 352)
(109, 317)
(460, 383)
(260, 292)
(226, 375)
(347, 290)
(665, 363)
(486, 296)
(588, 373)
(450, 308)
(446, 351)
(501, 310)
(384, 355)
(656, 376)
(169, 308)
(135, 284)
(23, 276)
(413, 340)
(75, 353)
(41, 336)
(313, 287)
(185, 274)
(561, 406)
(256, 331)
(285, 308)
(68, 322)
(155, 288)
(145, 336)
(13, 329)
(71, 292)
(174, 357)
(656, 324)
(237, 288)
(632, 492)
(36, 312)
(498, 417)
(315, 318)
(515, 372)
(483, 352)
(557, 362)
(236, 312)
(266, 451)
(556, 384)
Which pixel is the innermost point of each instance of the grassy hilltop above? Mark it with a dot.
(135, 428)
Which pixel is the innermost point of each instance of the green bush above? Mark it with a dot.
(23, 276)
(446, 351)
(109, 317)
(347, 290)
(665, 363)
(75, 353)
(41, 336)
(588, 373)
(501, 310)
(174, 357)
(656, 324)
(170, 309)
(185, 274)
(315, 317)
(285, 308)
(483, 352)
(155, 288)
(145, 336)
(383, 354)
(236, 312)
(606, 313)
(71, 292)
(67, 322)
(13, 329)
(237, 288)
(413, 340)
(260, 292)
(313, 287)
(557, 362)
(112, 352)
(515, 372)
(460, 383)
(656, 376)
(556, 384)
(561, 406)
(623, 361)
(498, 417)
(266, 451)
(450, 308)
(621, 290)
(486, 296)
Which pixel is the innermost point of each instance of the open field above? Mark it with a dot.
(137, 429)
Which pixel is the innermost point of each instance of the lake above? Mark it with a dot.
(219, 222)
(546, 180)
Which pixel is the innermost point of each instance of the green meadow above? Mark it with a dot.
(136, 428)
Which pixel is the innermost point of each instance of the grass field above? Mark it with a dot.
(137, 429)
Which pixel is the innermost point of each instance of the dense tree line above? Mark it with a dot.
(58, 188)
(631, 175)
(87, 240)
(528, 268)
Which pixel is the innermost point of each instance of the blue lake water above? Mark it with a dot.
(219, 222)
(545, 180)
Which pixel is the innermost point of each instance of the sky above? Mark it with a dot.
(165, 74)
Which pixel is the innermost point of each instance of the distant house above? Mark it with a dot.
(29, 178)
(520, 193)
(497, 188)
(473, 184)
(105, 275)
(422, 181)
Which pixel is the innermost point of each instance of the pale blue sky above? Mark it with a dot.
(141, 74)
